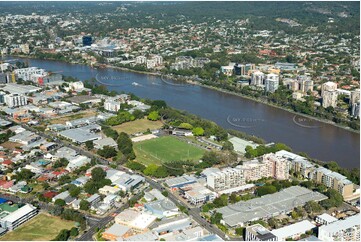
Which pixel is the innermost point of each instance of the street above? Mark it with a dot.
(194, 212)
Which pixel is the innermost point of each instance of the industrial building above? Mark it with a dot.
(268, 206)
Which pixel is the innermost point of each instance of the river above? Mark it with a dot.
(321, 141)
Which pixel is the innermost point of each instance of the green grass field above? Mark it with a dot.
(42, 227)
(164, 149)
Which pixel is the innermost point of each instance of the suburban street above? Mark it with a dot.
(194, 212)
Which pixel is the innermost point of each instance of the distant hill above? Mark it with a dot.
(262, 15)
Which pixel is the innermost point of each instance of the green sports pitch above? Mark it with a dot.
(165, 149)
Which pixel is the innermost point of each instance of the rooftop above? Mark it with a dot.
(117, 230)
(293, 229)
(342, 224)
(79, 135)
(19, 213)
(268, 205)
(328, 218)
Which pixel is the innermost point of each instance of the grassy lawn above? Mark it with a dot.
(136, 126)
(42, 227)
(163, 149)
(10, 145)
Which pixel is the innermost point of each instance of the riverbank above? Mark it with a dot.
(242, 96)
(189, 81)
(282, 108)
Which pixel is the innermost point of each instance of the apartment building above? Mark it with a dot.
(329, 94)
(271, 82)
(28, 74)
(333, 180)
(269, 166)
(305, 83)
(15, 100)
(225, 179)
(320, 175)
(139, 60)
(112, 105)
(257, 78)
(341, 230)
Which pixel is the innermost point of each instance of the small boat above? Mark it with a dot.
(135, 83)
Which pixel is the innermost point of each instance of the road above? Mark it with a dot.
(101, 223)
(194, 212)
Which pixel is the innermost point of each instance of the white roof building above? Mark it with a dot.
(325, 219)
(293, 230)
(18, 217)
(341, 230)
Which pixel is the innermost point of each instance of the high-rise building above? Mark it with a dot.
(341, 230)
(355, 96)
(87, 40)
(239, 70)
(269, 166)
(271, 83)
(328, 86)
(329, 94)
(248, 68)
(140, 60)
(257, 78)
(355, 109)
(305, 83)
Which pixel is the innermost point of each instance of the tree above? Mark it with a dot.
(198, 131)
(107, 152)
(227, 145)
(234, 198)
(60, 202)
(150, 170)
(216, 218)
(62, 162)
(221, 201)
(74, 232)
(74, 191)
(125, 146)
(267, 189)
(135, 166)
(239, 231)
(98, 174)
(185, 126)
(56, 210)
(45, 185)
(294, 215)
(64, 179)
(90, 187)
(63, 235)
(154, 116)
(24, 175)
(138, 114)
(84, 205)
(312, 207)
(89, 145)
